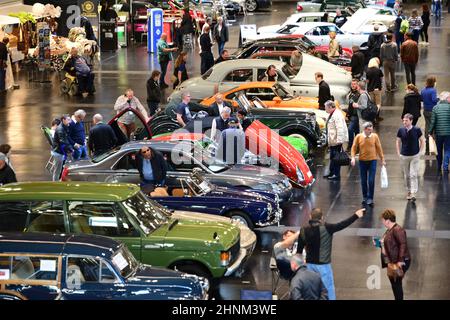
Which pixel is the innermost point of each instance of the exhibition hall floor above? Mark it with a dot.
(354, 258)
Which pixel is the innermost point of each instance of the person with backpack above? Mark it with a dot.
(365, 107)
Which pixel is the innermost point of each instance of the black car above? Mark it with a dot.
(253, 5)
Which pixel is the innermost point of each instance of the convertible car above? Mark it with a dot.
(253, 209)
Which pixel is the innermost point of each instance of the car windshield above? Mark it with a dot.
(289, 71)
(125, 262)
(105, 155)
(281, 92)
(288, 29)
(145, 213)
(305, 42)
(212, 163)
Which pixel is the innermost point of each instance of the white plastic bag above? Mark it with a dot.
(384, 178)
(432, 144)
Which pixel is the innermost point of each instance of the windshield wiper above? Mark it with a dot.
(173, 224)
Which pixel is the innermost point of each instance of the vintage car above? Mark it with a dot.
(229, 74)
(253, 5)
(40, 266)
(122, 211)
(329, 5)
(364, 19)
(118, 166)
(297, 18)
(246, 206)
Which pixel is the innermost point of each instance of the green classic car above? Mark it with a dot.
(123, 212)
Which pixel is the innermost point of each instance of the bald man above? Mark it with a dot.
(101, 136)
(217, 107)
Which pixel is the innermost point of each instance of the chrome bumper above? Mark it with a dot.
(231, 269)
(275, 220)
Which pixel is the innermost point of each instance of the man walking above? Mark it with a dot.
(368, 145)
(409, 52)
(207, 58)
(77, 135)
(409, 143)
(305, 284)
(389, 57)
(357, 63)
(164, 57)
(221, 34)
(101, 136)
(317, 239)
(440, 129)
(337, 134)
(324, 90)
(352, 113)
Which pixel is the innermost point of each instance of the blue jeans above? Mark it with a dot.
(80, 153)
(2, 79)
(335, 169)
(86, 83)
(326, 273)
(367, 171)
(437, 9)
(399, 40)
(443, 149)
(416, 34)
(220, 47)
(353, 130)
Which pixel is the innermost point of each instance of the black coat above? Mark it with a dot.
(324, 94)
(61, 142)
(205, 42)
(159, 165)
(307, 285)
(223, 35)
(3, 53)
(153, 91)
(374, 44)
(101, 138)
(187, 24)
(7, 175)
(214, 108)
(357, 63)
(412, 105)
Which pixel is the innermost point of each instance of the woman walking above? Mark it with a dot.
(374, 77)
(180, 72)
(412, 103)
(415, 25)
(394, 252)
(426, 23)
(430, 99)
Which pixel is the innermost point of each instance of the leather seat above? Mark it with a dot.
(74, 275)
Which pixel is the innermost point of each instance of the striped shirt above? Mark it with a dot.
(415, 23)
(440, 119)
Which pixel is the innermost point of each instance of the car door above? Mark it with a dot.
(90, 278)
(105, 219)
(141, 131)
(179, 165)
(124, 169)
(235, 78)
(265, 94)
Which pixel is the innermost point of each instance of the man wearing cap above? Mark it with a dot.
(7, 175)
(305, 284)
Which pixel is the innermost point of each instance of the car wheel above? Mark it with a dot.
(73, 89)
(241, 217)
(251, 5)
(193, 268)
(64, 87)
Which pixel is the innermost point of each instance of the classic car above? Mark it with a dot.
(118, 166)
(229, 74)
(246, 206)
(363, 20)
(40, 266)
(328, 5)
(342, 61)
(253, 5)
(318, 32)
(297, 18)
(122, 211)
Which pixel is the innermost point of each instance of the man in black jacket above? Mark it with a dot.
(216, 108)
(3, 61)
(7, 175)
(357, 63)
(221, 34)
(305, 284)
(324, 90)
(101, 136)
(375, 41)
(224, 56)
(61, 146)
(317, 239)
(152, 167)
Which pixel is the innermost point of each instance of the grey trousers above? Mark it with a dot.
(410, 166)
(389, 73)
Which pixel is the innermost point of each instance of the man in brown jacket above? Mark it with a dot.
(409, 52)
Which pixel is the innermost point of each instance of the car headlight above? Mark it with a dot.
(300, 176)
(225, 257)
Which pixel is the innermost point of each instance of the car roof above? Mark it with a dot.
(56, 244)
(252, 63)
(94, 191)
(310, 14)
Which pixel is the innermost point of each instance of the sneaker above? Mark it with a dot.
(333, 177)
(370, 202)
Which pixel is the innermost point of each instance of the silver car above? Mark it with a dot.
(118, 165)
(229, 74)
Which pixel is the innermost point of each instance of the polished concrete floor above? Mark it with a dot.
(427, 221)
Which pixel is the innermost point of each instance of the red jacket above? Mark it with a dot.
(409, 52)
(395, 245)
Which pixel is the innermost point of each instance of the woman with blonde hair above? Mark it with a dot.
(412, 103)
(374, 77)
(180, 72)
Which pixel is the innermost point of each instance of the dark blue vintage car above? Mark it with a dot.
(41, 266)
(254, 208)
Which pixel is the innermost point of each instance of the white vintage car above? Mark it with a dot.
(318, 32)
(363, 20)
(297, 18)
(229, 74)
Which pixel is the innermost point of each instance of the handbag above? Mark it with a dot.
(341, 158)
(394, 271)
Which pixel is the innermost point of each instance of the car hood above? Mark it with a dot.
(250, 171)
(247, 239)
(334, 75)
(194, 235)
(244, 195)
